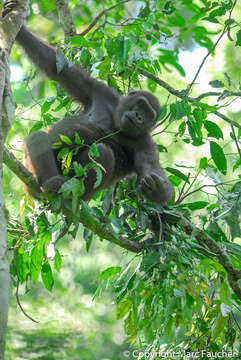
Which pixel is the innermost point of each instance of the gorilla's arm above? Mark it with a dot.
(151, 179)
(72, 77)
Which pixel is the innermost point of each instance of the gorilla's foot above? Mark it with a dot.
(53, 184)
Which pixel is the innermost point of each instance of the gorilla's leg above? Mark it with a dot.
(40, 160)
(107, 161)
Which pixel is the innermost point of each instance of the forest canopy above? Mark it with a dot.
(180, 290)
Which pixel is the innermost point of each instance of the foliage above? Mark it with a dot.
(176, 294)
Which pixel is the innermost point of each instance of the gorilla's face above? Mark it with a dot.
(137, 113)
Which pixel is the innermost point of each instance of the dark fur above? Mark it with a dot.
(132, 150)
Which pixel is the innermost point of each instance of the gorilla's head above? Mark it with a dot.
(137, 113)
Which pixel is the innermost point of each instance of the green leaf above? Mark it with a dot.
(149, 260)
(216, 84)
(36, 261)
(87, 212)
(210, 265)
(219, 326)
(78, 41)
(77, 139)
(180, 110)
(47, 276)
(225, 294)
(123, 307)
(198, 115)
(197, 205)
(123, 47)
(178, 173)
(47, 105)
(228, 79)
(238, 35)
(78, 169)
(213, 129)
(182, 128)
(104, 68)
(99, 177)
(93, 151)
(203, 163)
(107, 273)
(237, 164)
(218, 157)
(37, 126)
(57, 260)
(66, 139)
(161, 148)
(63, 153)
(22, 263)
(234, 249)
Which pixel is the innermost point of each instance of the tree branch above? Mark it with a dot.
(100, 229)
(14, 165)
(182, 95)
(233, 274)
(94, 22)
(218, 93)
(18, 169)
(205, 58)
(65, 18)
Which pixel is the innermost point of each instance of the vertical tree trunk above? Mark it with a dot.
(9, 27)
(4, 266)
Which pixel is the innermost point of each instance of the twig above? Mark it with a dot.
(94, 22)
(216, 93)
(205, 58)
(236, 140)
(229, 20)
(180, 200)
(20, 305)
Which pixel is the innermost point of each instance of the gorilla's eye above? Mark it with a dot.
(132, 92)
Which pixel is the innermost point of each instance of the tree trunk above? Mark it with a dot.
(9, 27)
(4, 266)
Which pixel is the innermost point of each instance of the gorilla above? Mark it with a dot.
(119, 125)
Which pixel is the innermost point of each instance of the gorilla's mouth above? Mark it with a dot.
(131, 119)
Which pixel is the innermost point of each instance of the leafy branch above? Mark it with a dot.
(233, 274)
(100, 229)
(182, 95)
(102, 13)
(16, 167)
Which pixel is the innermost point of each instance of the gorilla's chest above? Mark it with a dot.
(123, 151)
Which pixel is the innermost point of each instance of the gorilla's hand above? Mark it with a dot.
(154, 187)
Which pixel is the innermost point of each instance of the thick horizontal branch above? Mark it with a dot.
(182, 95)
(15, 166)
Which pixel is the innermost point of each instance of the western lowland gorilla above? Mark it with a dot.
(119, 125)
